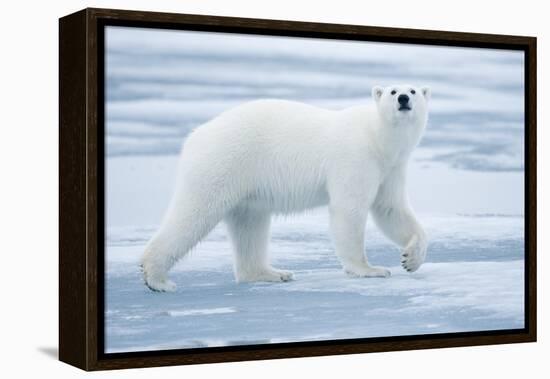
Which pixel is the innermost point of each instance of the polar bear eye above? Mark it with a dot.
(413, 91)
(393, 92)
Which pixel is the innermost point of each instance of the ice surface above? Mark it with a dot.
(473, 280)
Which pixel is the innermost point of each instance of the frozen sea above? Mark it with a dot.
(465, 182)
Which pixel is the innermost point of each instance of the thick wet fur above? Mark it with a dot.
(271, 157)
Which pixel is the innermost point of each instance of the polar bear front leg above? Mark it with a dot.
(396, 219)
(400, 225)
(249, 232)
(348, 233)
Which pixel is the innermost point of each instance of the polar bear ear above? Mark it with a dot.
(377, 92)
(427, 92)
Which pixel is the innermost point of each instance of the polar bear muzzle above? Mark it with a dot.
(403, 101)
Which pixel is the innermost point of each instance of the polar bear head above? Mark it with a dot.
(402, 104)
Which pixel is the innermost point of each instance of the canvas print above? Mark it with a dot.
(268, 189)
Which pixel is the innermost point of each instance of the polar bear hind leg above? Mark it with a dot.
(249, 232)
(185, 225)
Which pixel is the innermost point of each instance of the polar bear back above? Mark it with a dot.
(275, 153)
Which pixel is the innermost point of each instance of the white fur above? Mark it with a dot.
(280, 157)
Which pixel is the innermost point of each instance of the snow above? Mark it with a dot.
(473, 281)
(465, 182)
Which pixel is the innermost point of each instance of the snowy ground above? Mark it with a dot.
(465, 182)
(473, 279)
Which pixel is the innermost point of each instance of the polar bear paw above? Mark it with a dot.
(414, 254)
(161, 285)
(366, 271)
(158, 283)
(268, 274)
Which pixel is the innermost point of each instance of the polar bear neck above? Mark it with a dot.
(395, 141)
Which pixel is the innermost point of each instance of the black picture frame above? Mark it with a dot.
(81, 198)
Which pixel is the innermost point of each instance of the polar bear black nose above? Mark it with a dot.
(403, 99)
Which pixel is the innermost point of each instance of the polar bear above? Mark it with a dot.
(271, 157)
